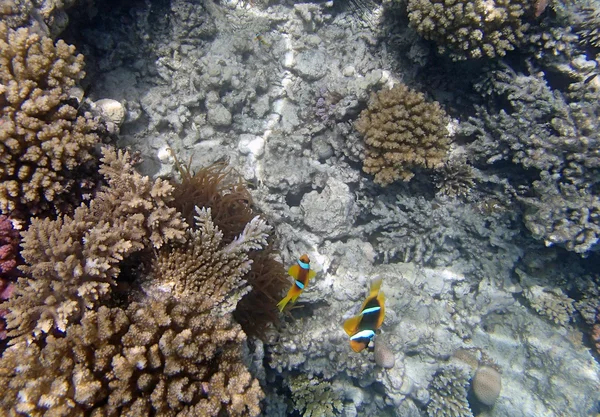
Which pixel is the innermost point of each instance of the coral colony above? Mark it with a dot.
(159, 196)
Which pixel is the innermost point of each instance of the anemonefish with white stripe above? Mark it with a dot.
(361, 328)
(302, 274)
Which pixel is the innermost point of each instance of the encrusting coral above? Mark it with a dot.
(174, 351)
(73, 261)
(472, 29)
(402, 131)
(43, 139)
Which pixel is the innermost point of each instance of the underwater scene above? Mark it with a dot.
(283, 208)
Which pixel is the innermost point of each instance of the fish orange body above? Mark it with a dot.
(362, 327)
(302, 274)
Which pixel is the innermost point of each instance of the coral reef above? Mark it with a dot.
(553, 138)
(44, 140)
(454, 179)
(176, 350)
(164, 356)
(487, 384)
(448, 391)
(383, 354)
(419, 230)
(402, 131)
(73, 261)
(219, 188)
(314, 397)
(187, 267)
(471, 29)
(9, 248)
(589, 23)
(551, 303)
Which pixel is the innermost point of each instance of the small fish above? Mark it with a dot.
(361, 328)
(302, 274)
(259, 37)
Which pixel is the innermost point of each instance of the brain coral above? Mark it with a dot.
(402, 131)
(471, 29)
(42, 138)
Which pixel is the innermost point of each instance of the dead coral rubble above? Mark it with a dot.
(73, 261)
(551, 138)
(472, 29)
(42, 138)
(402, 131)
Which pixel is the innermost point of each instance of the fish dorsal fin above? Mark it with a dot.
(294, 271)
(381, 299)
(375, 286)
(351, 325)
(373, 291)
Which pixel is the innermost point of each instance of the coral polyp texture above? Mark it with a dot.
(154, 358)
(43, 139)
(402, 131)
(472, 29)
(73, 262)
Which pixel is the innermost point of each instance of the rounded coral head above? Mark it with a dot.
(304, 258)
(487, 384)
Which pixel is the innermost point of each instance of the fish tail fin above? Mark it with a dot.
(375, 286)
(281, 305)
(357, 346)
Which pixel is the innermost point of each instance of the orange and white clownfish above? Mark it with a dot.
(361, 328)
(302, 274)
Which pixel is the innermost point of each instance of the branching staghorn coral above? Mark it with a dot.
(175, 351)
(203, 258)
(472, 29)
(42, 138)
(402, 131)
(72, 262)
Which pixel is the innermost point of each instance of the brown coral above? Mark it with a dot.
(402, 131)
(472, 29)
(42, 138)
(165, 357)
(217, 187)
(175, 351)
(73, 261)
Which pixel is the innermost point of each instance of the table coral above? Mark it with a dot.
(402, 131)
(42, 138)
(472, 29)
(72, 262)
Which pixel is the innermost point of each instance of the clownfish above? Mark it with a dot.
(361, 328)
(302, 274)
